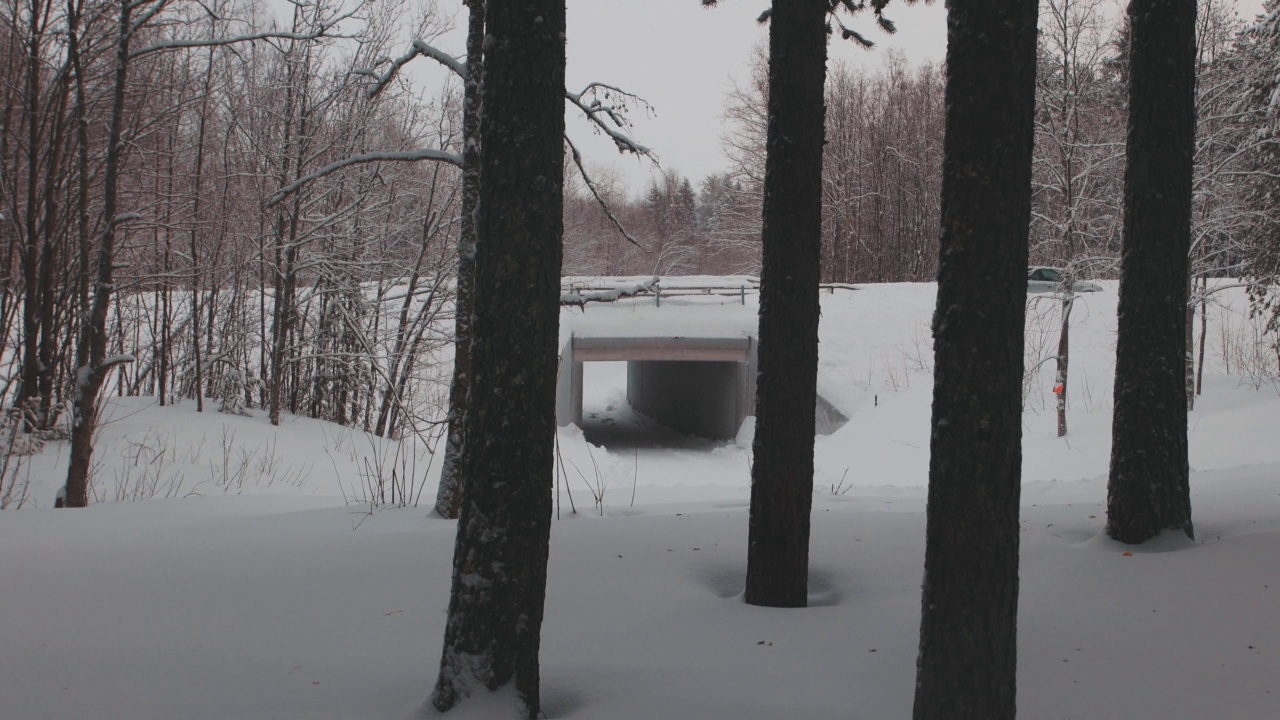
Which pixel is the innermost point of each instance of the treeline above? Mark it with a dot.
(332, 301)
(882, 166)
(881, 182)
(325, 302)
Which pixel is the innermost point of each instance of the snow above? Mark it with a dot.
(255, 587)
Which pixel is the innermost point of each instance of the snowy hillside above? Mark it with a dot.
(271, 572)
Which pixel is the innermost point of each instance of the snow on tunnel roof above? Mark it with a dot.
(702, 306)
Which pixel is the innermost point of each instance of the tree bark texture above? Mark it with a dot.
(1148, 490)
(449, 494)
(782, 465)
(967, 665)
(500, 559)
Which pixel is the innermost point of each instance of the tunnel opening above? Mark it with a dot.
(701, 387)
(679, 391)
(610, 420)
(677, 387)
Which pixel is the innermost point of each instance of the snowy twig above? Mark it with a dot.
(609, 118)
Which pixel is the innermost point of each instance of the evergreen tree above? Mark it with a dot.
(1148, 491)
(1263, 106)
(786, 387)
(968, 631)
(500, 560)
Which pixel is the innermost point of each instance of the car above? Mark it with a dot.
(1049, 280)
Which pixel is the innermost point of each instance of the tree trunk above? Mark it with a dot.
(1148, 490)
(29, 388)
(91, 347)
(967, 665)
(449, 494)
(1204, 328)
(1189, 363)
(1064, 358)
(500, 559)
(786, 394)
(286, 246)
(196, 198)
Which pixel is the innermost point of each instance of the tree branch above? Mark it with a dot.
(393, 156)
(577, 160)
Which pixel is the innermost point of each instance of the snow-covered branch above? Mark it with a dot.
(416, 48)
(608, 114)
(323, 29)
(581, 299)
(114, 360)
(605, 106)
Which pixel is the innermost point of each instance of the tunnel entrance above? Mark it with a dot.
(610, 421)
(696, 386)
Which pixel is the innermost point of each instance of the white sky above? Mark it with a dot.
(684, 59)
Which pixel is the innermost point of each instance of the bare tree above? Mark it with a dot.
(882, 169)
(1077, 161)
(92, 363)
(1224, 213)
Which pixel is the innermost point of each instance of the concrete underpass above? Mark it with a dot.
(702, 386)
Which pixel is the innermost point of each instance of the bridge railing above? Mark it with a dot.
(697, 290)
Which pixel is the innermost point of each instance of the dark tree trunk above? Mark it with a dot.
(1064, 357)
(91, 347)
(1189, 364)
(449, 494)
(197, 361)
(500, 559)
(782, 469)
(1148, 490)
(164, 290)
(968, 630)
(286, 250)
(1204, 328)
(29, 388)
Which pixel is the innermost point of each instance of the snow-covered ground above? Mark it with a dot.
(255, 584)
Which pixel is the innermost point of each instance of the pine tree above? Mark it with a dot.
(786, 387)
(500, 559)
(1148, 490)
(968, 631)
(1263, 106)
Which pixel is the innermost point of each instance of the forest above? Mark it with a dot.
(214, 122)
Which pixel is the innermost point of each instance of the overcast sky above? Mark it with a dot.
(683, 59)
